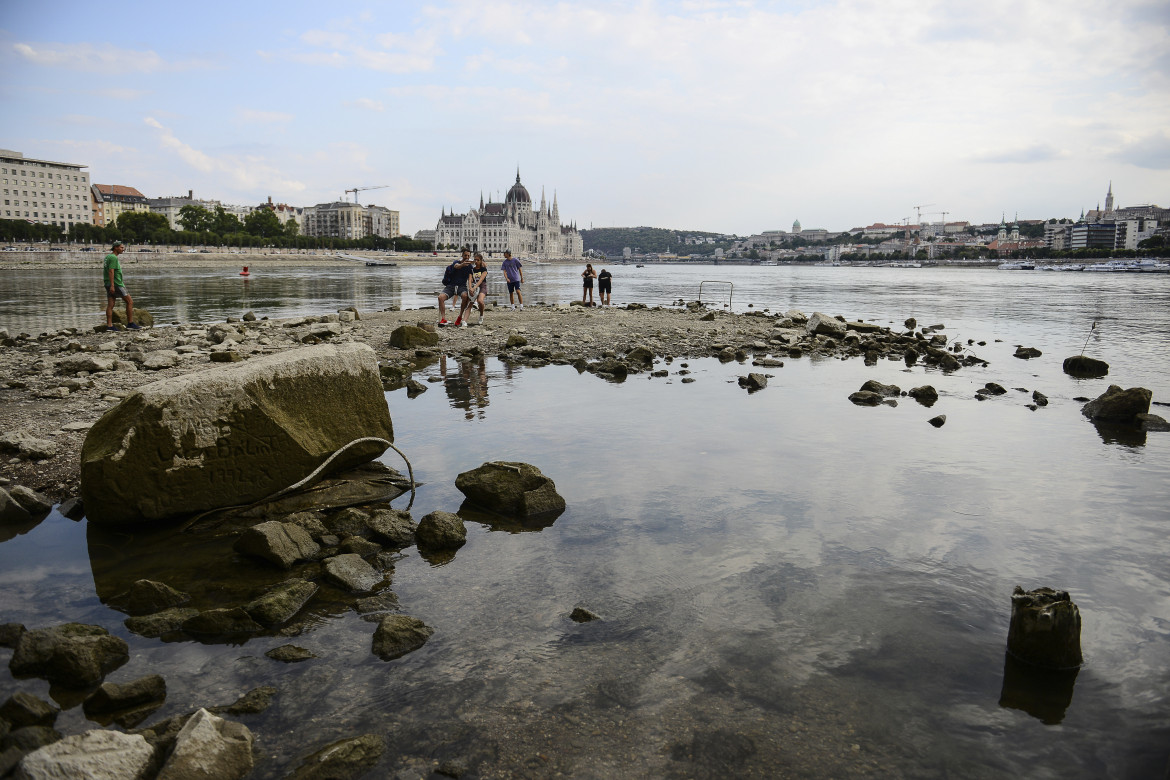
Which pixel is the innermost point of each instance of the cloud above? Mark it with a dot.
(1149, 151)
(247, 172)
(119, 93)
(367, 103)
(264, 117)
(105, 59)
(1040, 152)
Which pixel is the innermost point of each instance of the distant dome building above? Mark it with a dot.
(513, 225)
(796, 226)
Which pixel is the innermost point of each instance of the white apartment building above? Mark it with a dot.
(51, 193)
(349, 221)
(170, 207)
(111, 200)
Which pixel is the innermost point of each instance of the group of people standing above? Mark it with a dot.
(466, 279)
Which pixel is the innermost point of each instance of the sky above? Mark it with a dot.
(732, 117)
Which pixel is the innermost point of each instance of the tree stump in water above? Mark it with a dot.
(1045, 629)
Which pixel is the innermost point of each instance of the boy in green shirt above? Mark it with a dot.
(112, 279)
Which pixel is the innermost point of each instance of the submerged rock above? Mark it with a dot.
(217, 622)
(1152, 422)
(1118, 405)
(147, 693)
(874, 386)
(147, 597)
(925, 395)
(510, 488)
(73, 655)
(160, 622)
(233, 434)
(281, 603)
(1085, 367)
(938, 421)
(344, 759)
(23, 709)
(753, 382)
(398, 635)
(866, 398)
(1027, 353)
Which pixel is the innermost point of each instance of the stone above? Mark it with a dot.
(911, 323)
(281, 603)
(796, 316)
(350, 521)
(1151, 422)
(510, 488)
(209, 747)
(910, 356)
(37, 504)
(249, 316)
(1045, 629)
(345, 759)
(10, 634)
(290, 654)
(114, 697)
(889, 391)
(515, 340)
(925, 395)
(23, 709)
(938, 421)
(392, 527)
(72, 655)
(441, 531)
(991, 388)
(1118, 405)
(94, 755)
(824, 325)
(160, 359)
(1083, 367)
(142, 317)
(583, 615)
(29, 738)
(398, 635)
(866, 398)
(91, 363)
(863, 327)
(73, 508)
(146, 597)
(160, 623)
(27, 447)
(411, 337)
(415, 388)
(10, 509)
(359, 546)
(217, 622)
(310, 521)
(350, 572)
(226, 356)
(708, 317)
(281, 544)
(1039, 398)
(640, 354)
(753, 382)
(233, 434)
(1027, 353)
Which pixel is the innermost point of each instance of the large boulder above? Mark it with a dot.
(1085, 367)
(824, 325)
(73, 655)
(411, 337)
(209, 746)
(517, 489)
(233, 434)
(1118, 405)
(94, 755)
(441, 531)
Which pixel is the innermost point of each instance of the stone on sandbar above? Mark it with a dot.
(825, 325)
(1085, 367)
(410, 337)
(232, 434)
(1118, 405)
(517, 489)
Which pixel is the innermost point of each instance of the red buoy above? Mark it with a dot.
(245, 272)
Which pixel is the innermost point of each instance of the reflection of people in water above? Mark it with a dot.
(466, 385)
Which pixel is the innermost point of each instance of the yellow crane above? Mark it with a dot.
(356, 190)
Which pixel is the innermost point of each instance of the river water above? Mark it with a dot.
(789, 585)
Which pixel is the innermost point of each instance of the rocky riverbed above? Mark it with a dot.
(58, 384)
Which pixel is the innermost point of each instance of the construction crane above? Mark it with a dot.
(919, 210)
(356, 190)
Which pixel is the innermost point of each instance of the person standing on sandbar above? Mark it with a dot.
(112, 279)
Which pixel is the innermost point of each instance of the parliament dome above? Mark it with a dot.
(518, 193)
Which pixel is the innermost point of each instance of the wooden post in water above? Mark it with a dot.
(1046, 629)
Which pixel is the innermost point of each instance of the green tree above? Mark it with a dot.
(196, 218)
(263, 223)
(292, 229)
(226, 223)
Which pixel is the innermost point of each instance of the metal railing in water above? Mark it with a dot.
(730, 289)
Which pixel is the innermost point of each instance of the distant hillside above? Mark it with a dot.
(645, 239)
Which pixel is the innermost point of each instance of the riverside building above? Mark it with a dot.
(513, 225)
(44, 191)
(349, 220)
(112, 200)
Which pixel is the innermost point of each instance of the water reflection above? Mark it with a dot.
(1045, 694)
(465, 380)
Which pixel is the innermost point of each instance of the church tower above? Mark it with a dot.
(1109, 200)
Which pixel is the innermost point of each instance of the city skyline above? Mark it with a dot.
(732, 117)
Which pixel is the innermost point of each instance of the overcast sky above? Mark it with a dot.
(720, 116)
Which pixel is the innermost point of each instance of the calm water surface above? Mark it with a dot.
(791, 586)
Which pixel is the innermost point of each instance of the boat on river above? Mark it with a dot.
(1017, 266)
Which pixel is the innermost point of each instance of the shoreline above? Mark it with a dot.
(59, 383)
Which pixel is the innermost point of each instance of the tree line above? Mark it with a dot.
(200, 227)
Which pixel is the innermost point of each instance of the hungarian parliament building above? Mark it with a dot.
(513, 225)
